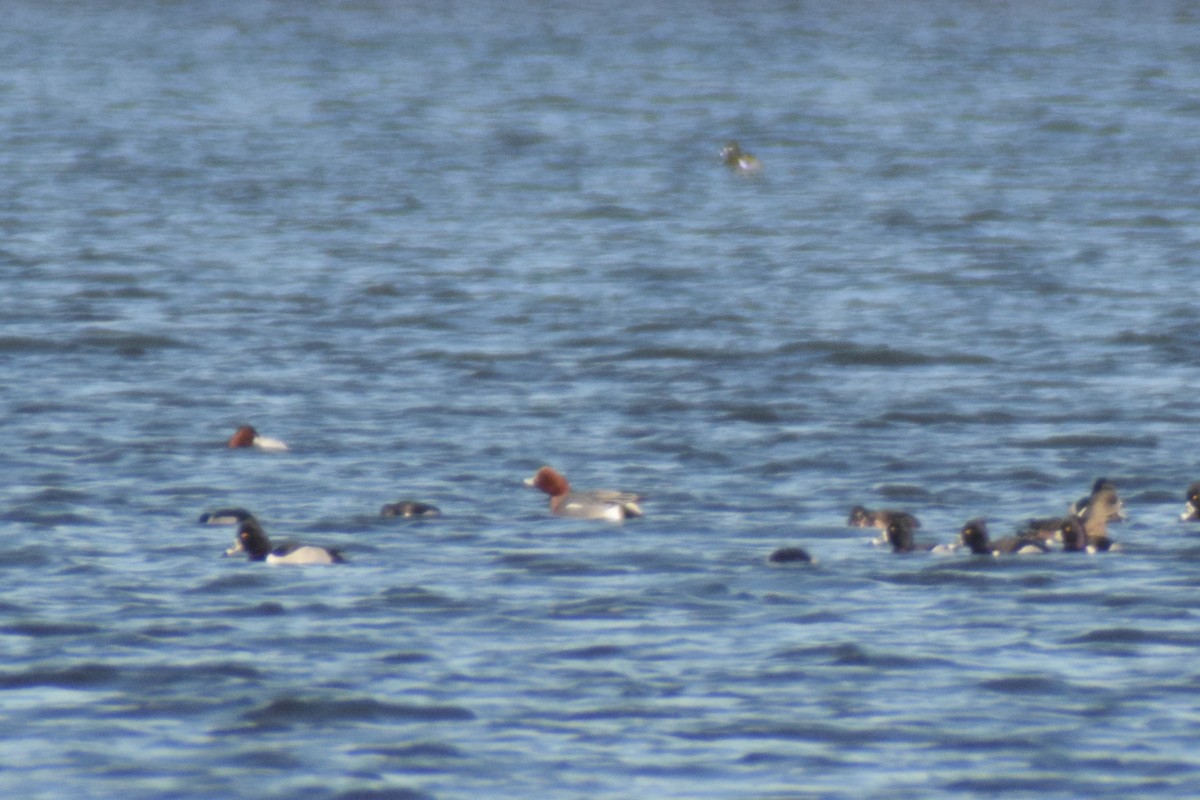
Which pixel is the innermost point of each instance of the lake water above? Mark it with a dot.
(433, 246)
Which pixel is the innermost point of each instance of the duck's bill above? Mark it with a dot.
(1190, 512)
(233, 551)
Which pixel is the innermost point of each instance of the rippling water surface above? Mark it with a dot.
(434, 246)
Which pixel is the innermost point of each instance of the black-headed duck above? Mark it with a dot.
(790, 555)
(252, 540)
(974, 536)
(899, 534)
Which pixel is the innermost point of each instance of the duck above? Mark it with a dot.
(1104, 492)
(790, 555)
(1191, 513)
(409, 508)
(247, 436)
(861, 517)
(225, 516)
(1078, 538)
(899, 534)
(974, 536)
(593, 504)
(252, 540)
(1099, 508)
(739, 160)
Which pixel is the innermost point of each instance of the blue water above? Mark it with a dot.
(435, 246)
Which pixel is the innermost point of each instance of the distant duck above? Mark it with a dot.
(225, 516)
(593, 504)
(1104, 492)
(974, 536)
(1096, 510)
(1191, 513)
(739, 160)
(861, 517)
(252, 540)
(790, 555)
(899, 534)
(1077, 539)
(247, 436)
(409, 508)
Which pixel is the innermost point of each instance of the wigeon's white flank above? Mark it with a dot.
(593, 504)
(246, 436)
(252, 540)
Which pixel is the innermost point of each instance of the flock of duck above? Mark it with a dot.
(1083, 529)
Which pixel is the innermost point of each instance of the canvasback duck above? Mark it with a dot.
(739, 160)
(1191, 513)
(246, 436)
(790, 555)
(593, 504)
(252, 540)
(225, 516)
(974, 536)
(409, 508)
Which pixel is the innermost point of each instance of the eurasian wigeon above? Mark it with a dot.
(225, 516)
(253, 541)
(409, 508)
(1191, 513)
(246, 436)
(594, 504)
(739, 160)
(974, 536)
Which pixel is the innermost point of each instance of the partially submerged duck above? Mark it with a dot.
(790, 555)
(409, 508)
(225, 516)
